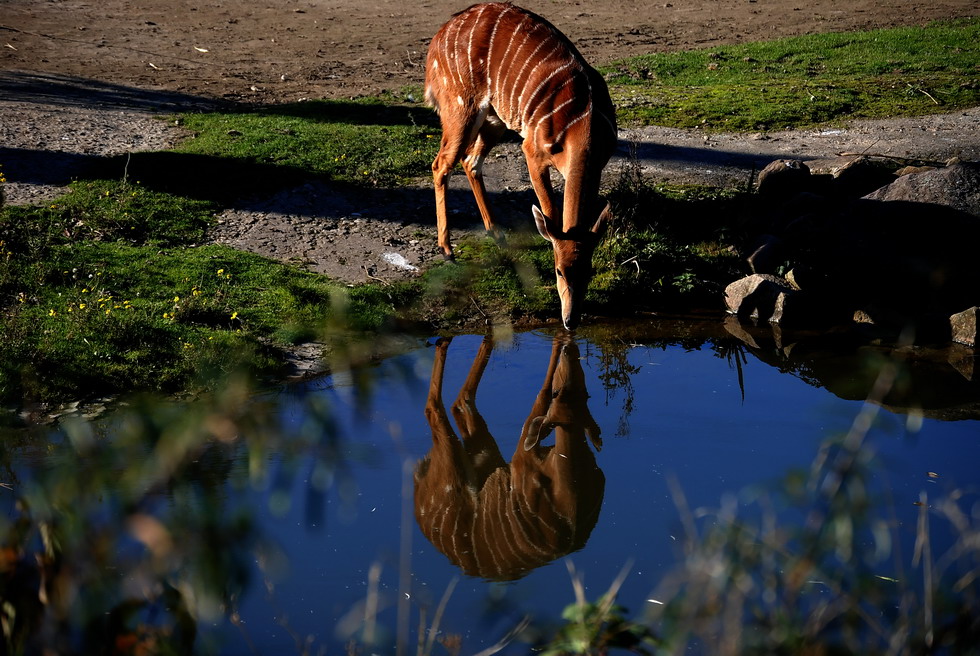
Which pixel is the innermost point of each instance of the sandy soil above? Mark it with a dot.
(85, 79)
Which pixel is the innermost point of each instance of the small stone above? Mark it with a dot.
(964, 326)
(784, 178)
(755, 296)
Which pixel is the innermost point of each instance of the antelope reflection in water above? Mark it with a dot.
(497, 520)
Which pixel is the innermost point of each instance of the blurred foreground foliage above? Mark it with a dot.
(126, 540)
(813, 565)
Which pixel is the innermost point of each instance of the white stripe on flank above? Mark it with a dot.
(493, 35)
(515, 108)
(503, 64)
(453, 54)
(522, 101)
(586, 113)
(534, 94)
(554, 111)
(469, 46)
(569, 79)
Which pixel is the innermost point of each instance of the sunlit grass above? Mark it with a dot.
(804, 80)
(367, 141)
(107, 290)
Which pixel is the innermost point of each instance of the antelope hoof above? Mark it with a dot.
(449, 257)
(499, 237)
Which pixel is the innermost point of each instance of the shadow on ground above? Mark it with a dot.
(65, 90)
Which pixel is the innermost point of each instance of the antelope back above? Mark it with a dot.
(501, 56)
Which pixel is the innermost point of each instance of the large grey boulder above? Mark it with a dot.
(860, 176)
(956, 186)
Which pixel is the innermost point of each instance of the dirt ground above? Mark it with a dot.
(88, 79)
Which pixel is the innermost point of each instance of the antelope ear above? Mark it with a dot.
(605, 218)
(541, 221)
(533, 434)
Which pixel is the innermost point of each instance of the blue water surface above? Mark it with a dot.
(688, 414)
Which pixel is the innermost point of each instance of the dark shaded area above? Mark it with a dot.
(219, 179)
(45, 167)
(66, 90)
(938, 381)
(204, 177)
(242, 183)
(919, 257)
(702, 157)
(893, 252)
(233, 183)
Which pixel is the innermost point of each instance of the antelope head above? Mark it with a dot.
(573, 260)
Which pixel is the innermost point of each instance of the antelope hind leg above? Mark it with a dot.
(460, 128)
(488, 137)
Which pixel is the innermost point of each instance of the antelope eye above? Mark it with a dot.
(558, 271)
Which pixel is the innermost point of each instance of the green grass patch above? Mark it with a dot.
(803, 81)
(104, 291)
(367, 141)
(107, 211)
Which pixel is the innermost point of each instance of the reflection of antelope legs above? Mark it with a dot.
(500, 521)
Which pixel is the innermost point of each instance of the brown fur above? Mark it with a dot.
(498, 520)
(496, 66)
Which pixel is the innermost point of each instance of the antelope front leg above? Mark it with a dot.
(539, 170)
(442, 166)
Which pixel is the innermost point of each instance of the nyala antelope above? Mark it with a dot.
(500, 520)
(494, 67)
